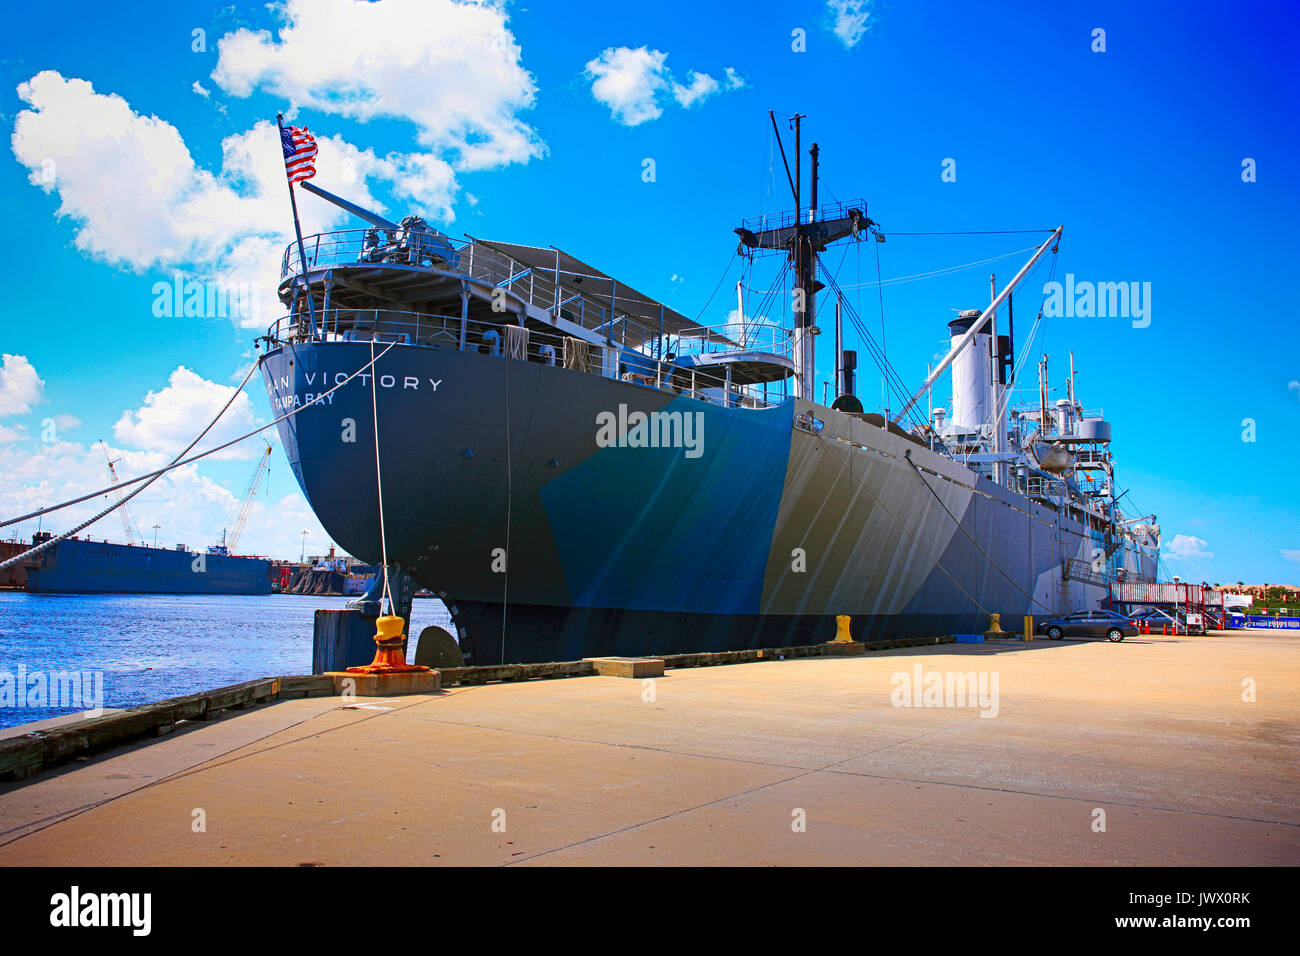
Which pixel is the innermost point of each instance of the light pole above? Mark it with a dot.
(302, 558)
(155, 534)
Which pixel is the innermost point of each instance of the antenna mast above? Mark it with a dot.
(802, 236)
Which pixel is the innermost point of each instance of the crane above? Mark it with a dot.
(128, 523)
(245, 506)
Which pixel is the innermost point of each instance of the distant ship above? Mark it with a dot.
(577, 469)
(79, 566)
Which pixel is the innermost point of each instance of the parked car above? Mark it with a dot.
(1158, 620)
(1107, 624)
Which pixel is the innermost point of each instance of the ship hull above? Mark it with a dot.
(502, 489)
(97, 567)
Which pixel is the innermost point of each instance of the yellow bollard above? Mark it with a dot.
(1029, 628)
(389, 658)
(842, 630)
(995, 632)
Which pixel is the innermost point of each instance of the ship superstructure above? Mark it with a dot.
(580, 470)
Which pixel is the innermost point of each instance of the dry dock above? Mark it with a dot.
(794, 762)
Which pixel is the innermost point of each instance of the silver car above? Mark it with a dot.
(1107, 624)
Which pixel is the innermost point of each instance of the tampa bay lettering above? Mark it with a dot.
(407, 383)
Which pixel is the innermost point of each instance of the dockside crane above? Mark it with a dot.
(128, 523)
(246, 505)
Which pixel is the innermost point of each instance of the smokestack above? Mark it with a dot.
(850, 371)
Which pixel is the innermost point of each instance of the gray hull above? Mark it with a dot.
(499, 492)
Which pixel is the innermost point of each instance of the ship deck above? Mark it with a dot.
(716, 768)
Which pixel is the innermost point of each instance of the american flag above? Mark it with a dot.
(299, 152)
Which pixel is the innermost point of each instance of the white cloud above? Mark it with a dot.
(170, 418)
(849, 20)
(140, 201)
(635, 82)
(700, 87)
(128, 179)
(67, 421)
(8, 434)
(1291, 554)
(1186, 547)
(628, 82)
(200, 89)
(20, 386)
(451, 69)
(1294, 386)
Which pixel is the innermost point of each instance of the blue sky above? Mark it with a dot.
(1137, 150)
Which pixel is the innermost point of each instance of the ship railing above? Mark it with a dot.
(790, 218)
(1037, 486)
(737, 337)
(535, 285)
(513, 341)
(404, 247)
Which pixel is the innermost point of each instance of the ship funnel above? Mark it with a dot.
(971, 374)
(1064, 417)
(373, 218)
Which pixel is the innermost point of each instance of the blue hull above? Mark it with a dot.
(75, 566)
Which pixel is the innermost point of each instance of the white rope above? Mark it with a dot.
(379, 481)
(148, 477)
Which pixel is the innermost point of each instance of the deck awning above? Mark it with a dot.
(576, 277)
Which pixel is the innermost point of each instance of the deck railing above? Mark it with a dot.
(508, 340)
(535, 285)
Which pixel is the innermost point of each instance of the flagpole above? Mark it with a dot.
(297, 229)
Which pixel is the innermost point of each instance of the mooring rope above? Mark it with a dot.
(379, 481)
(505, 574)
(149, 477)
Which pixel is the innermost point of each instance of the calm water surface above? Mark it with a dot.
(153, 646)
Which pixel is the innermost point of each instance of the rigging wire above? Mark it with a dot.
(891, 376)
(946, 270)
(1024, 351)
(121, 502)
(723, 279)
(988, 557)
(149, 477)
(986, 232)
(898, 521)
(884, 351)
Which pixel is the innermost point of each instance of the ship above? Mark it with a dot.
(577, 469)
(77, 565)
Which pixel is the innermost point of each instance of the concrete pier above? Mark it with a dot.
(1145, 752)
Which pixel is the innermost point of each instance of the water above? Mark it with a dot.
(152, 646)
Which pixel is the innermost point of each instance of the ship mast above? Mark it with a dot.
(802, 237)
